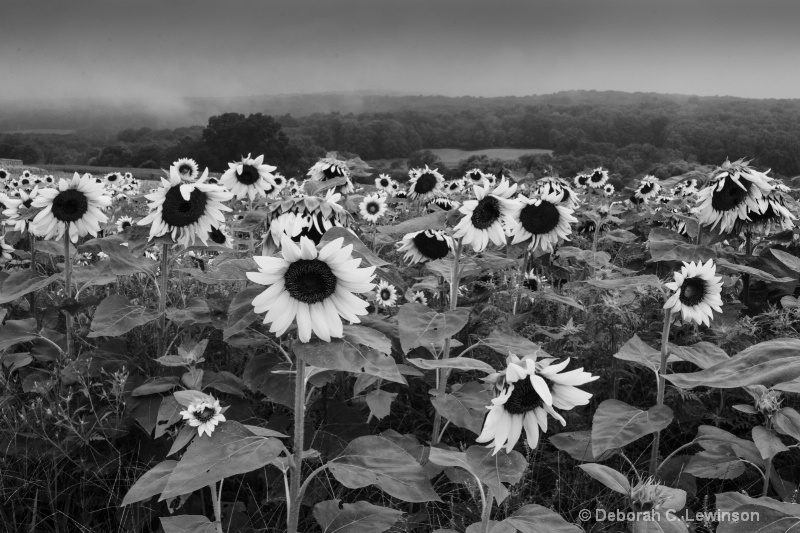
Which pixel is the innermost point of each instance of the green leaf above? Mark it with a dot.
(762, 520)
(559, 298)
(54, 248)
(608, 477)
(767, 442)
(494, 470)
(380, 402)
(224, 381)
(465, 406)
(703, 354)
(373, 460)
(368, 337)
(578, 445)
(787, 259)
(667, 245)
(756, 273)
(17, 331)
(457, 363)
(420, 326)
(156, 386)
(432, 221)
(767, 363)
(360, 249)
(169, 414)
(359, 517)
(232, 449)
(534, 518)
(716, 465)
(616, 424)
(626, 282)
(240, 311)
(195, 312)
(505, 341)
(22, 282)
(451, 458)
(787, 422)
(150, 484)
(185, 397)
(341, 354)
(639, 352)
(187, 524)
(116, 315)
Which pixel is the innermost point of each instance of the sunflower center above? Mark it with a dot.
(112, 177)
(425, 183)
(582, 180)
(332, 172)
(523, 398)
(177, 212)
(373, 208)
(486, 213)
(384, 182)
(217, 236)
(126, 224)
(249, 175)
(28, 203)
(731, 195)
(386, 295)
(692, 291)
(25, 181)
(70, 205)
(431, 247)
(597, 177)
(532, 284)
(646, 188)
(205, 415)
(310, 281)
(475, 176)
(539, 219)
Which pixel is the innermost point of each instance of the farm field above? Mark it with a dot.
(451, 156)
(316, 353)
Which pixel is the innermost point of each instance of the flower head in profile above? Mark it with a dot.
(580, 181)
(475, 177)
(185, 210)
(386, 294)
(425, 245)
(372, 208)
(249, 178)
(5, 250)
(444, 203)
(532, 281)
(425, 184)
(543, 220)
(317, 288)
(220, 236)
(697, 292)
(14, 208)
(204, 414)
(526, 392)
(597, 178)
(486, 218)
(648, 188)
(555, 186)
(77, 203)
(774, 211)
(735, 190)
(331, 167)
(420, 298)
(454, 187)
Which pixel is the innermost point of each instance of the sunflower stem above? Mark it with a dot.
(32, 295)
(441, 374)
(594, 248)
(662, 383)
(768, 465)
(162, 298)
(216, 502)
(374, 234)
(486, 515)
(67, 290)
(296, 469)
(748, 250)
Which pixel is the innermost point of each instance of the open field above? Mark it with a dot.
(451, 156)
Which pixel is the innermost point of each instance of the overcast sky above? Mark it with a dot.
(160, 50)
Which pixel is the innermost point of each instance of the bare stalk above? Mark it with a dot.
(296, 469)
(662, 383)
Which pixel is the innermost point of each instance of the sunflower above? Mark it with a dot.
(76, 203)
(773, 211)
(697, 291)
(26, 174)
(249, 177)
(185, 209)
(608, 190)
(372, 208)
(425, 245)
(475, 177)
(6, 250)
(317, 287)
(330, 168)
(220, 236)
(543, 221)
(3, 174)
(532, 282)
(420, 298)
(124, 223)
(185, 168)
(114, 178)
(566, 196)
(454, 187)
(485, 217)
(526, 392)
(13, 206)
(597, 178)
(383, 182)
(386, 294)
(648, 188)
(444, 203)
(204, 414)
(280, 182)
(425, 184)
(401, 194)
(735, 190)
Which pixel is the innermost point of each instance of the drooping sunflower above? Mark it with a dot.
(526, 392)
(14, 208)
(734, 190)
(648, 188)
(425, 184)
(774, 211)
(444, 203)
(484, 219)
(372, 208)
(386, 294)
(475, 177)
(305, 216)
(330, 168)
(185, 168)
(249, 178)
(204, 414)
(384, 182)
(124, 223)
(697, 292)
(77, 203)
(425, 245)
(567, 196)
(220, 236)
(185, 210)
(597, 178)
(318, 288)
(543, 220)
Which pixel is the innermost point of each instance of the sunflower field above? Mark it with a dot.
(353, 352)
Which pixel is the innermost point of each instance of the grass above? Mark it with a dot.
(451, 156)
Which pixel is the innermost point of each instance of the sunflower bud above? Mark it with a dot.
(769, 403)
(647, 496)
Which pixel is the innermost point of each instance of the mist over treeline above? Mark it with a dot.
(629, 133)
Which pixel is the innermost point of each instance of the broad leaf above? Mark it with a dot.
(116, 315)
(715, 464)
(360, 249)
(432, 221)
(502, 339)
(578, 445)
(22, 282)
(465, 406)
(755, 272)
(761, 519)
(608, 477)
(420, 326)
(359, 517)
(187, 524)
(457, 363)
(368, 337)
(616, 424)
(240, 311)
(156, 386)
(767, 442)
(787, 259)
(380, 402)
(169, 413)
(534, 518)
(626, 282)
(787, 422)
(17, 331)
(703, 354)
(150, 484)
(495, 470)
(639, 352)
(341, 354)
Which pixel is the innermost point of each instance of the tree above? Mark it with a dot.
(231, 136)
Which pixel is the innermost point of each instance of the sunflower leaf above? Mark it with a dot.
(116, 315)
(419, 325)
(360, 517)
(342, 354)
(616, 424)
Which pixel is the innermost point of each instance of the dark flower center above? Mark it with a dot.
(125, 224)
(70, 205)
(249, 175)
(112, 177)
(532, 284)
(25, 181)
(185, 169)
(431, 247)
(444, 203)
(217, 236)
(401, 194)
(768, 214)
(373, 208)
(597, 177)
(486, 213)
(205, 415)
(310, 281)
(582, 179)
(332, 172)
(178, 213)
(539, 219)
(636, 200)
(646, 188)
(386, 295)
(731, 195)
(523, 398)
(425, 183)
(692, 291)
(384, 182)
(3, 174)
(475, 176)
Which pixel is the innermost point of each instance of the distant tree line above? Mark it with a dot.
(629, 134)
